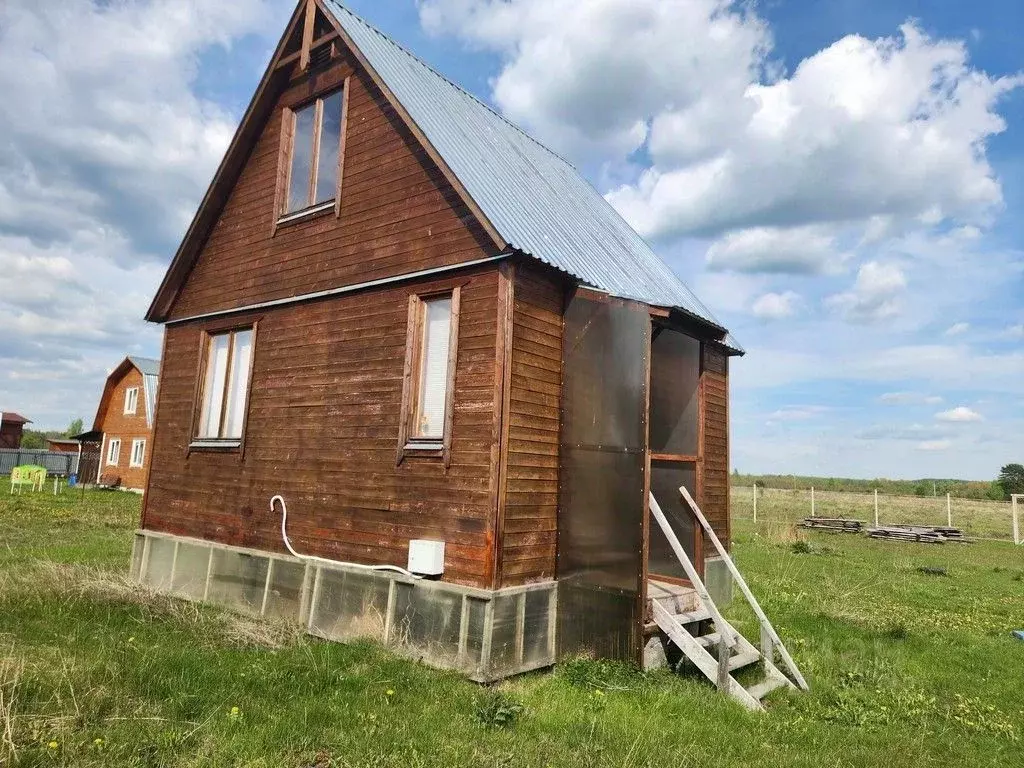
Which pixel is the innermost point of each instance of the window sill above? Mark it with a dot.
(214, 445)
(305, 213)
(432, 449)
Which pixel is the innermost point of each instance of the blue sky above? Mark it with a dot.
(837, 180)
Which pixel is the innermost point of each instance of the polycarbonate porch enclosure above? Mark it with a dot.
(630, 406)
(601, 494)
(674, 444)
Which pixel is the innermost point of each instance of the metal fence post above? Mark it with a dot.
(876, 507)
(1016, 526)
(812, 501)
(949, 511)
(755, 502)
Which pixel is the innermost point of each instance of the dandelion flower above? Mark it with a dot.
(52, 745)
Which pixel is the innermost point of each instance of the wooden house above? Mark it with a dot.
(12, 425)
(414, 323)
(123, 425)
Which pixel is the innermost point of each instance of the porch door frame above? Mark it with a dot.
(697, 461)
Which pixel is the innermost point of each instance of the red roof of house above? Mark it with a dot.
(14, 418)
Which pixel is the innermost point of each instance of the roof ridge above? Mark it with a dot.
(426, 65)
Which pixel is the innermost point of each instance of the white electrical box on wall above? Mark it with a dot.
(426, 557)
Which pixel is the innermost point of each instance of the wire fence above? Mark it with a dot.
(983, 519)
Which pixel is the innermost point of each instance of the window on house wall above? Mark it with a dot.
(225, 391)
(138, 453)
(114, 451)
(313, 159)
(131, 401)
(430, 371)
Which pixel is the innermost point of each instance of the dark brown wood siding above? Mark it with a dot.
(715, 473)
(398, 212)
(530, 522)
(322, 430)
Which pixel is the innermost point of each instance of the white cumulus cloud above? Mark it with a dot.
(959, 414)
(106, 148)
(875, 294)
(798, 250)
(863, 139)
(776, 306)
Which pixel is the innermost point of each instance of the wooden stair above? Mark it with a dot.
(719, 651)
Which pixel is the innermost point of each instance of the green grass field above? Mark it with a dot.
(976, 517)
(906, 668)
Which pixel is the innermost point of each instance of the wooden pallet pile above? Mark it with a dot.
(923, 534)
(836, 524)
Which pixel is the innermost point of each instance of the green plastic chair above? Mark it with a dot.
(31, 475)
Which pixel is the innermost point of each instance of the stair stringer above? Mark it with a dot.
(703, 660)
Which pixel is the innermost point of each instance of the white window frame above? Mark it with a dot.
(217, 402)
(131, 401)
(138, 445)
(114, 452)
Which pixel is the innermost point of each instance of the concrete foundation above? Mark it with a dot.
(486, 634)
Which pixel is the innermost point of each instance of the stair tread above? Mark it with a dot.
(690, 617)
(741, 660)
(766, 686)
(709, 640)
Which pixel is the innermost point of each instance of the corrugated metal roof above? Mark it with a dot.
(536, 200)
(147, 365)
(150, 370)
(149, 387)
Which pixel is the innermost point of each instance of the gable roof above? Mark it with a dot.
(538, 202)
(13, 418)
(147, 365)
(150, 370)
(528, 196)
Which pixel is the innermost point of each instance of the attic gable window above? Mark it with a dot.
(131, 401)
(313, 154)
(225, 388)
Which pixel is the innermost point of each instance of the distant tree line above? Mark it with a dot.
(34, 439)
(1010, 480)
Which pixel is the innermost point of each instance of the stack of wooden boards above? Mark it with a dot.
(837, 524)
(924, 534)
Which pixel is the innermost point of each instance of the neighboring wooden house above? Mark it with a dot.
(124, 423)
(414, 322)
(11, 427)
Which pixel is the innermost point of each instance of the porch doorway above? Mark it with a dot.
(674, 449)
